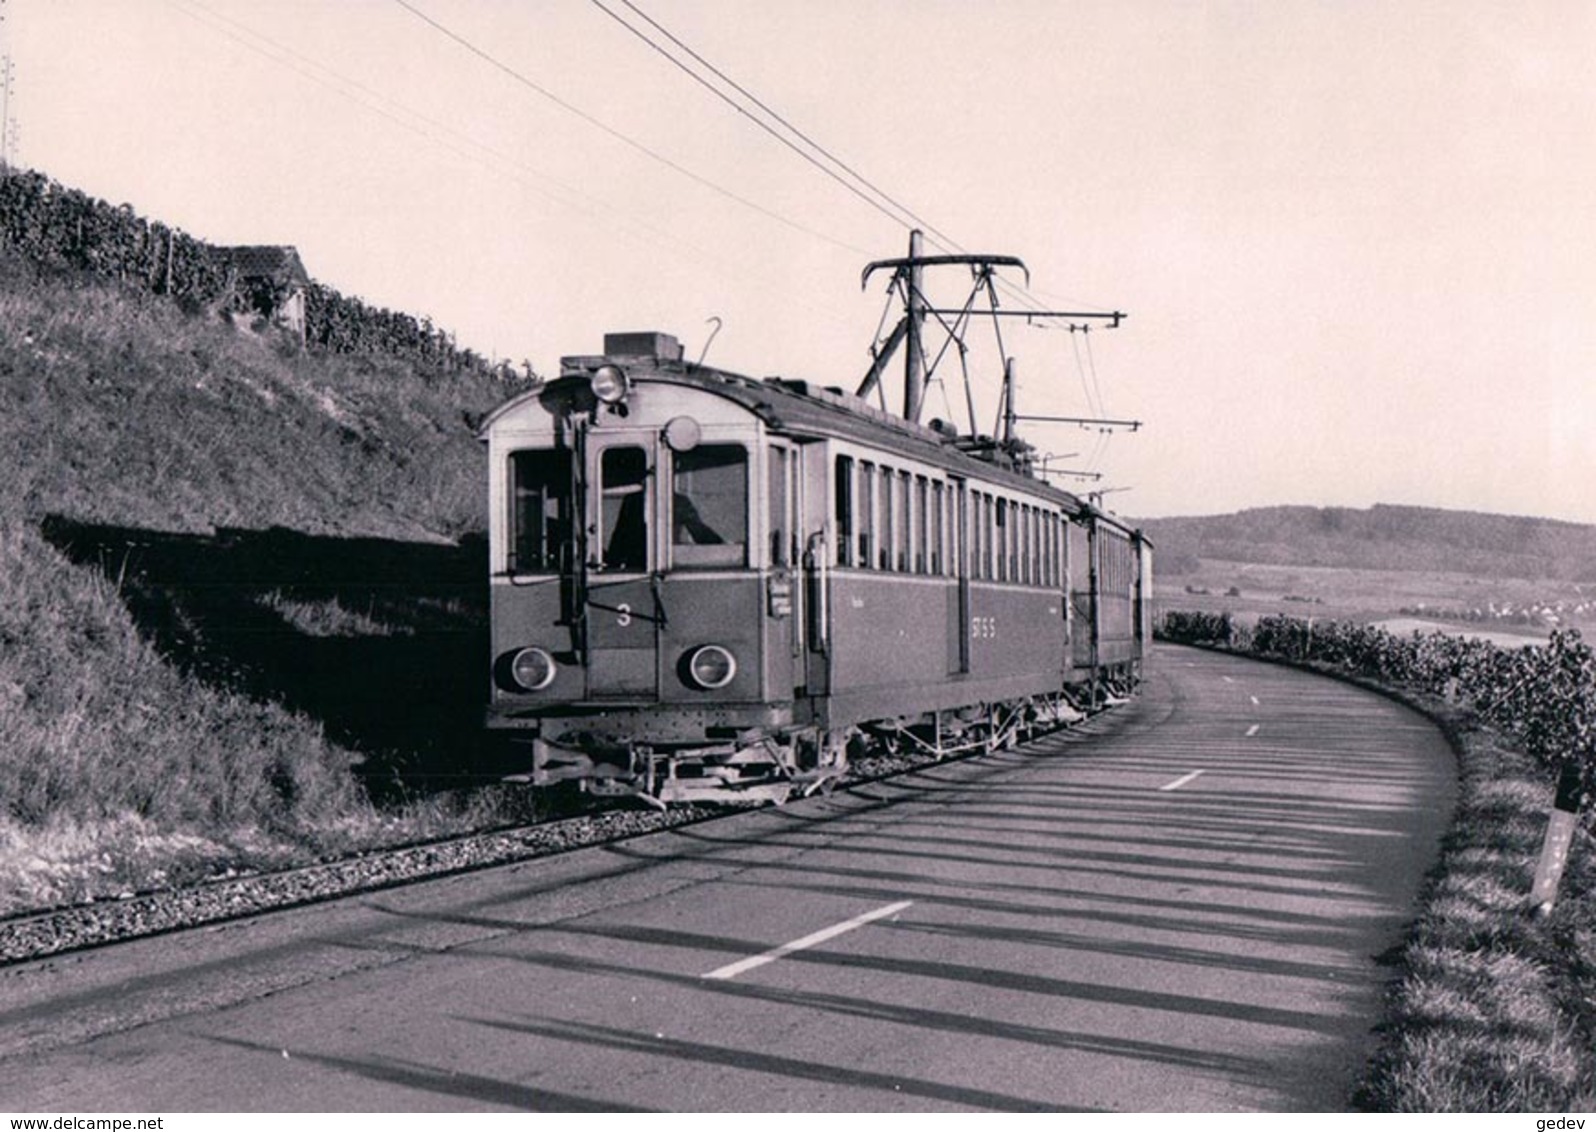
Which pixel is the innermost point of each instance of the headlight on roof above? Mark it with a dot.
(609, 384)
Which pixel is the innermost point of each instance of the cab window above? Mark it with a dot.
(623, 509)
(709, 506)
(540, 517)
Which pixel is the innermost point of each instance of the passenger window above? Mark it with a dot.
(905, 522)
(988, 531)
(1003, 531)
(1014, 543)
(709, 506)
(776, 481)
(1043, 556)
(1033, 549)
(972, 522)
(958, 504)
(1051, 549)
(540, 513)
(844, 510)
(938, 529)
(623, 509)
(886, 528)
(1025, 544)
(867, 514)
(922, 522)
(1058, 551)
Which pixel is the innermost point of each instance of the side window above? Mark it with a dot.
(922, 522)
(1044, 548)
(988, 531)
(844, 510)
(1014, 543)
(709, 506)
(938, 527)
(1052, 549)
(867, 514)
(776, 505)
(888, 516)
(958, 502)
(1035, 530)
(1004, 528)
(1025, 544)
(905, 512)
(540, 509)
(972, 520)
(623, 509)
(977, 534)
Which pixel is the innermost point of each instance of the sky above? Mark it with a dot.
(1355, 241)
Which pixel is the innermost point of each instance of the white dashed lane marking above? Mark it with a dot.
(1251, 731)
(732, 970)
(1181, 781)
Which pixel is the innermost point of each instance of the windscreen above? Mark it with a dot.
(541, 510)
(709, 506)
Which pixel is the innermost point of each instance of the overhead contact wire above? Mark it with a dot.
(440, 133)
(599, 124)
(701, 81)
(875, 189)
(905, 215)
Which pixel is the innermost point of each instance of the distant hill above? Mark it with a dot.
(1382, 537)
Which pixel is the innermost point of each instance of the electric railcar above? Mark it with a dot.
(710, 587)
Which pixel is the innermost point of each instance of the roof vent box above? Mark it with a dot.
(643, 344)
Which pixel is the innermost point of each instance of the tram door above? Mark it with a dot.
(813, 492)
(621, 618)
(959, 560)
(785, 592)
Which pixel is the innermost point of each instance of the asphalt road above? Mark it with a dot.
(1179, 906)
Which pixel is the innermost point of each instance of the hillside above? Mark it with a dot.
(1382, 537)
(1411, 567)
(241, 589)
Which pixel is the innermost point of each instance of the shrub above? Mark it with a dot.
(1544, 697)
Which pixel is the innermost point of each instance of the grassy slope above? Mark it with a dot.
(1495, 1009)
(130, 744)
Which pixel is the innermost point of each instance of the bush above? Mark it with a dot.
(57, 229)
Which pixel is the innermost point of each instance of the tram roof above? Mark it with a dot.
(804, 409)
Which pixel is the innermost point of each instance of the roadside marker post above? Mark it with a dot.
(1559, 835)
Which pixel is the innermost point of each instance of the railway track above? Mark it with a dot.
(37, 935)
(54, 931)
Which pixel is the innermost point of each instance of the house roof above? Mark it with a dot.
(280, 263)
